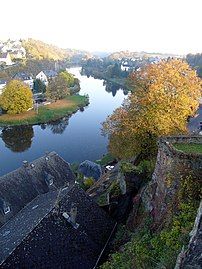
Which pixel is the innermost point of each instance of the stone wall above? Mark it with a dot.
(172, 166)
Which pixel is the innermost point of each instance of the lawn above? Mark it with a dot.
(189, 148)
(46, 113)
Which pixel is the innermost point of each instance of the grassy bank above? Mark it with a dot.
(47, 113)
(189, 148)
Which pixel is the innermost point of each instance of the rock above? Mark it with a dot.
(90, 169)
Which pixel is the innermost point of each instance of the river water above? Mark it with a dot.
(76, 139)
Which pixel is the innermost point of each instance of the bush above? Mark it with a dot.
(88, 182)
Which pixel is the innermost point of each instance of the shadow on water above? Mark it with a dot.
(18, 138)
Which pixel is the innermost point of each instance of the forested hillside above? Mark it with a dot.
(39, 50)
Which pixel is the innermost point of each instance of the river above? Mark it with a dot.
(76, 139)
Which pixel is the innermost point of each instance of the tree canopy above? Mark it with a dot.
(16, 97)
(164, 95)
(69, 78)
(57, 88)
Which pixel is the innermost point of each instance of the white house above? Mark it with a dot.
(2, 85)
(42, 76)
(6, 59)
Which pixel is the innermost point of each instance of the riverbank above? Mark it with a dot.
(48, 113)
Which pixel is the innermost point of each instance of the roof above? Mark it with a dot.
(22, 76)
(3, 81)
(40, 237)
(3, 55)
(23, 185)
(50, 73)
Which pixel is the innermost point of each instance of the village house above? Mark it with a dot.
(26, 78)
(5, 58)
(41, 75)
(45, 75)
(47, 221)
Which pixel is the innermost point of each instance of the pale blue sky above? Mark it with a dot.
(172, 26)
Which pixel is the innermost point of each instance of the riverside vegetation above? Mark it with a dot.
(17, 100)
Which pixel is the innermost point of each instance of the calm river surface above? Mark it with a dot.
(76, 139)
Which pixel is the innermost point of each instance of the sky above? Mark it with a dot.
(168, 26)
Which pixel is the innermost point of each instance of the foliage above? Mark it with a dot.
(39, 50)
(106, 159)
(88, 182)
(127, 167)
(57, 88)
(46, 113)
(114, 189)
(159, 249)
(146, 168)
(164, 96)
(69, 78)
(39, 86)
(16, 97)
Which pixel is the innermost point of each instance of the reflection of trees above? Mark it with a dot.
(18, 138)
(59, 126)
(113, 88)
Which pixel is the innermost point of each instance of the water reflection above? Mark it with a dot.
(18, 138)
(58, 126)
(111, 87)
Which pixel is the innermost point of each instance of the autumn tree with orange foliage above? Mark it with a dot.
(163, 96)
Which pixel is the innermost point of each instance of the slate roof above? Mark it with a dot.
(23, 185)
(40, 237)
(3, 55)
(50, 73)
(22, 76)
(3, 81)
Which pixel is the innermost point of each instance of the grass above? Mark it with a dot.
(106, 159)
(189, 148)
(47, 113)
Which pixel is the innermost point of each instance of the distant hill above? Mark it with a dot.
(36, 49)
(101, 54)
(128, 55)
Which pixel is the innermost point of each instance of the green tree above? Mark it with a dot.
(39, 86)
(57, 88)
(16, 97)
(69, 78)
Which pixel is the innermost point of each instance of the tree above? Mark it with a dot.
(16, 98)
(39, 86)
(57, 88)
(69, 78)
(163, 96)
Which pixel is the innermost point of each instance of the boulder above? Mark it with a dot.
(90, 169)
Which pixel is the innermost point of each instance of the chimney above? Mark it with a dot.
(73, 214)
(25, 163)
(71, 217)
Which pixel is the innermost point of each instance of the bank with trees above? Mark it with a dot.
(19, 105)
